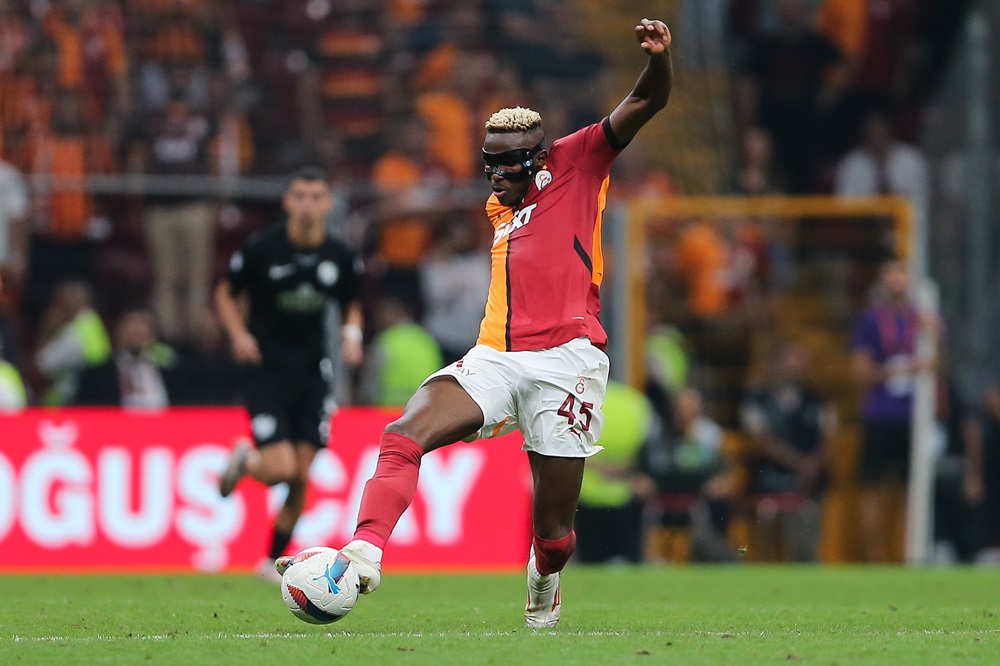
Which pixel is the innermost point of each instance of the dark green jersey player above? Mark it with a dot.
(274, 305)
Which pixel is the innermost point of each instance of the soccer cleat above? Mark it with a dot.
(544, 599)
(266, 569)
(369, 570)
(235, 468)
(282, 563)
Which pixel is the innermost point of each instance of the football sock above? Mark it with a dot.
(279, 542)
(551, 555)
(390, 490)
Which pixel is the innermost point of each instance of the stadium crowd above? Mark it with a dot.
(829, 96)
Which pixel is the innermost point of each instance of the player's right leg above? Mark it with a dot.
(439, 413)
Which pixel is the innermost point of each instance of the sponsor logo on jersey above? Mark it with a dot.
(543, 178)
(521, 218)
(303, 299)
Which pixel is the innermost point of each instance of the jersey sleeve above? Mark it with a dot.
(591, 149)
(350, 277)
(240, 269)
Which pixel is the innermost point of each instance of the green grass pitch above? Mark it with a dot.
(654, 615)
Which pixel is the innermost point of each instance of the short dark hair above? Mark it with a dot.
(307, 173)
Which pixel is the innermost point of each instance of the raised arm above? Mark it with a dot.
(653, 86)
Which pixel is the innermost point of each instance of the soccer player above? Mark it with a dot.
(539, 363)
(289, 275)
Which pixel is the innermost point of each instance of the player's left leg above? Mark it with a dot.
(557, 491)
(559, 398)
(290, 512)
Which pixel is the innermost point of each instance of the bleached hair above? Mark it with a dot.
(514, 119)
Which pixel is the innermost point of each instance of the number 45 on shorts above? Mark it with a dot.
(572, 412)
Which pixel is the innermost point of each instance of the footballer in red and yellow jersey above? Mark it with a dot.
(547, 264)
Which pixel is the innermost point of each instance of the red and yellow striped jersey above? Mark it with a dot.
(546, 256)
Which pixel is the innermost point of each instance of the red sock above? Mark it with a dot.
(551, 555)
(390, 490)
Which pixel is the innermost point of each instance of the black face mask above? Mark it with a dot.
(523, 156)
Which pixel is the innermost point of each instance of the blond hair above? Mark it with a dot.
(514, 119)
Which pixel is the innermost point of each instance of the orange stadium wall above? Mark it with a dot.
(90, 490)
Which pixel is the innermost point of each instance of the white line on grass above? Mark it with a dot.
(456, 634)
(267, 636)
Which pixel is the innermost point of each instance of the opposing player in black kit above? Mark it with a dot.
(288, 275)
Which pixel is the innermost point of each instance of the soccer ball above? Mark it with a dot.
(320, 586)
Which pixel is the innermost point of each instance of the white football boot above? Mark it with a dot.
(282, 563)
(544, 599)
(236, 467)
(367, 560)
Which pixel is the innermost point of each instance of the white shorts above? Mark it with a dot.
(554, 396)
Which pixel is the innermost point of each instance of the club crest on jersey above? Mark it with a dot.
(327, 273)
(543, 178)
(521, 218)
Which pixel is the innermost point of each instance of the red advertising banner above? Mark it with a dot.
(102, 489)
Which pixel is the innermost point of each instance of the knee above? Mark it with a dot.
(278, 472)
(396, 442)
(400, 426)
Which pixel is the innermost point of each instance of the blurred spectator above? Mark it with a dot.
(701, 260)
(400, 357)
(14, 37)
(695, 484)
(13, 213)
(885, 362)
(180, 227)
(440, 101)
(765, 240)
(789, 425)
(757, 174)
(205, 372)
(232, 148)
(91, 52)
(411, 185)
(614, 491)
(64, 218)
(669, 361)
(455, 278)
(72, 338)
(879, 41)
(981, 477)
(785, 89)
(13, 396)
(882, 165)
(135, 376)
